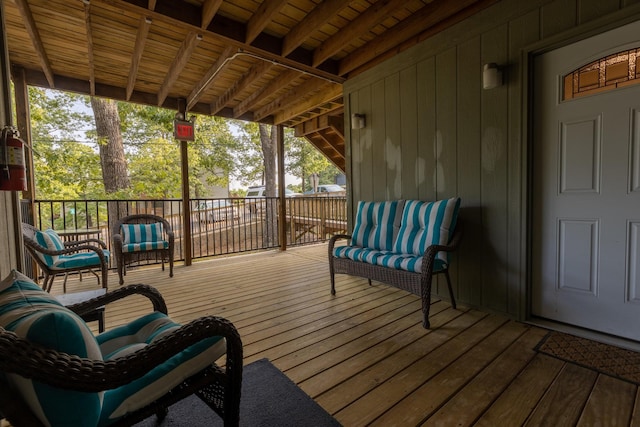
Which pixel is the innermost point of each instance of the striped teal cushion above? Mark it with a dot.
(45, 239)
(145, 246)
(37, 316)
(139, 233)
(425, 224)
(377, 224)
(55, 239)
(396, 261)
(82, 259)
(136, 335)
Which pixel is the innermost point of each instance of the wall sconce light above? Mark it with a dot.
(357, 121)
(491, 76)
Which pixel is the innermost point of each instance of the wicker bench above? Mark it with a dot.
(402, 243)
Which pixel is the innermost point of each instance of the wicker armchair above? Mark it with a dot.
(93, 251)
(218, 387)
(127, 251)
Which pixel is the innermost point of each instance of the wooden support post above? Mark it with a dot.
(186, 203)
(282, 214)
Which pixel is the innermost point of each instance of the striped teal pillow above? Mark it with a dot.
(376, 224)
(425, 224)
(139, 233)
(35, 315)
(47, 240)
(124, 340)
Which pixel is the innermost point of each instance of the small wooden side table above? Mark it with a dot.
(96, 315)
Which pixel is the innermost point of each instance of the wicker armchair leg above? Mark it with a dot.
(453, 298)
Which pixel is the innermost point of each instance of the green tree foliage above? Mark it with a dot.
(67, 163)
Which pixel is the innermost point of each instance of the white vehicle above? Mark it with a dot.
(259, 191)
(336, 189)
(216, 210)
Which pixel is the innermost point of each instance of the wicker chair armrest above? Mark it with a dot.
(74, 243)
(137, 289)
(335, 238)
(117, 239)
(71, 372)
(71, 250)
(430, 253)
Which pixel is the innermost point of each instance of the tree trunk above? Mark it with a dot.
(269, 148)
(114, 164)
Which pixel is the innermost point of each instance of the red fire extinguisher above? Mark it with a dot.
(13, 172)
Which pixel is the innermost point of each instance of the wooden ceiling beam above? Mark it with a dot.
(250, 76)
(294, 94)
(436, 14)
(324, 121)
(209, 10)
(91, 64)
(278, 83)
(371, 17)
(182, 57)
(293, 105)
(141, 39)
(210, 77)
(34, 35)
(232, 32)
(262, 17)
(311, 23)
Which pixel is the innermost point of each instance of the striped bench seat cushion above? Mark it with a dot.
(407, 262)
(143, 237)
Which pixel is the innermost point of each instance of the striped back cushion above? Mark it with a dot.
(425, 224)
(140, 233)
(377, 224)
(49, 239)
(126, 339)
(35, 315)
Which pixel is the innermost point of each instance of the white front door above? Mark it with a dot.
(586, 196)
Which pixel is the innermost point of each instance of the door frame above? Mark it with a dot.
(528, 54)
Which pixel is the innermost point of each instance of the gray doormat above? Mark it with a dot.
(269, 399)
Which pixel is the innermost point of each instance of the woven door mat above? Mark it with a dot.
(604, 358)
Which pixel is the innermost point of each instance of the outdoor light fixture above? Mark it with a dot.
(491, 76)
(357, 121)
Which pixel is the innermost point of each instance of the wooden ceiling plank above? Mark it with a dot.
(311, 23)
(375, 14)
(34, 35)
(152, 5)
(211, 75)
(179, 62)
(294, 94)
(429, 16)
(141, 38)
(276, 84)
(262, 17)
(209, 10)
(231, 32)
(254, 73)
(91, 64)
(295, 105)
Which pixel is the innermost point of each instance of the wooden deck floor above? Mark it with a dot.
(364, 356)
